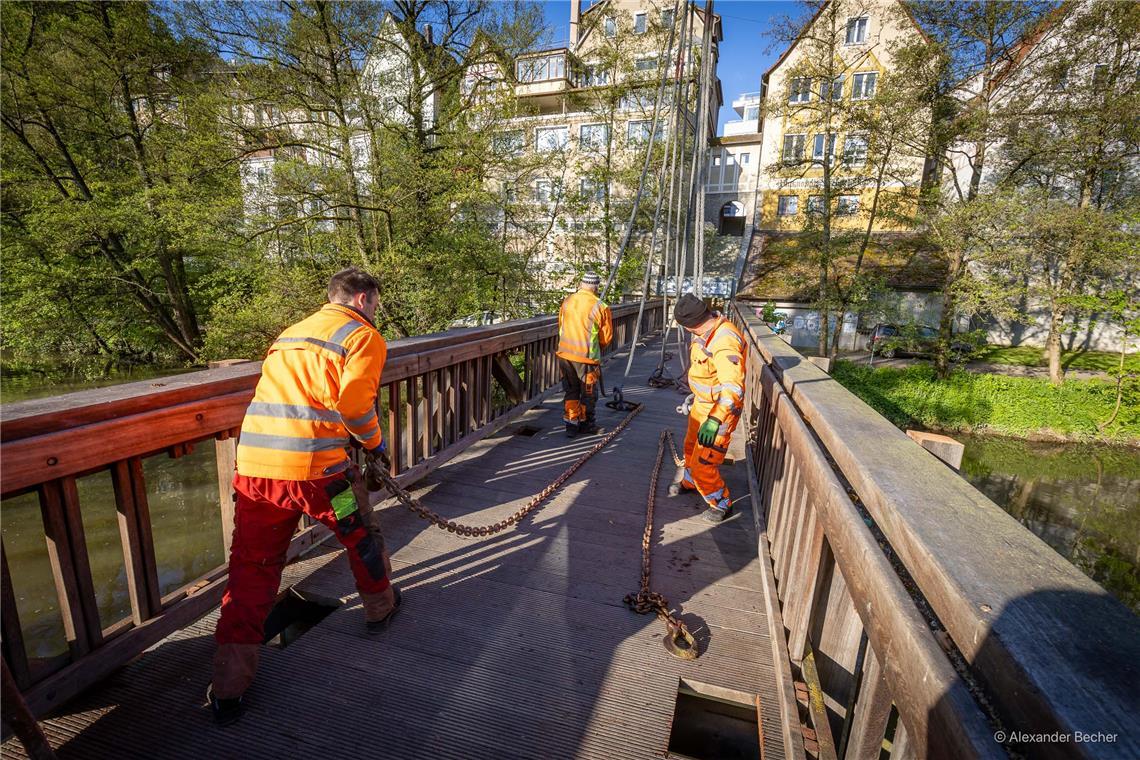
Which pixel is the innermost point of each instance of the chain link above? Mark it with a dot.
(646, 601)
(419, 508)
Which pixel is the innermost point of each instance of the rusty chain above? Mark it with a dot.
(679, 641)
(419, 508)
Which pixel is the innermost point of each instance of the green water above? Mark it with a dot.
(1081, 499)
(21, 383)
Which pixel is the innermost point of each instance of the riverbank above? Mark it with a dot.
(968, 402)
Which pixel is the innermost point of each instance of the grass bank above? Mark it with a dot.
(1026, 407)
(1028, 356)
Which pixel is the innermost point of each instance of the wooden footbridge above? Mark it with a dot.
(863, 602)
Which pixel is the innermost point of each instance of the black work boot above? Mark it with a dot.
(571, 429)
(589, 428)
(226, 711)
(378, 626)
(714, 515)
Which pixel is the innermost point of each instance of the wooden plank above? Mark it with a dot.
(872, 709)
(20, 718)
(411, 424)
(67, 568)
(131, 541)
(418, 423)
(14, 651)
(394, 426)
(836, 640)
(799, 616)
(225, 455)
(34, 460)
(817, 708)
(146, 533)
(505, 373)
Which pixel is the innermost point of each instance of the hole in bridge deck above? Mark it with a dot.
(528, 430)
(714, 723)
(293, 615)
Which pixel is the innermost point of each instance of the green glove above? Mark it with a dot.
(706, 436)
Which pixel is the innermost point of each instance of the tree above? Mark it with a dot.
(115, 170)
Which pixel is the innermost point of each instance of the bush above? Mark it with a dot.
(1021, 406)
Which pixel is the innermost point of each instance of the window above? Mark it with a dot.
(508, 192)
(594, 135)
(716, 160)
(638, 131)
(856, 30)
(547, 190)
(640, 23)
(863, 86)
(640, 99)
(609, 26)
(648, 63)
(744, 158)
(507, 143)
(794, 148)
(848, 205)
(1100, 76)
(549, 139)
(594, 75)
(264, 174)
(832, 89)
(751, 112)
(667, 18)
(815, 204)
(788, 205)
(817, 153)
(799, 90)
(592, 190)
(541, 69)
(855, 150)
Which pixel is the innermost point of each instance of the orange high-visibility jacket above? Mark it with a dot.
(318, 386)
(716, 371)
(585, 327)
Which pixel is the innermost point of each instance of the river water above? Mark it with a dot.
(1081, 499)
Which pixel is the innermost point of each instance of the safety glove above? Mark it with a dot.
(376, 459)
(706, 436)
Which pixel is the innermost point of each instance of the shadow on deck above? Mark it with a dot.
(517, 645)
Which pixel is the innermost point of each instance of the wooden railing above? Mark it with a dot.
(440, 394)
(908, 597)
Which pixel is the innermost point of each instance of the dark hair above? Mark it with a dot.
(348, 282)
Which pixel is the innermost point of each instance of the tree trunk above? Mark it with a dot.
(1053, 347)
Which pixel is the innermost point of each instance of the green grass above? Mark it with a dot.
(1018, 406)
(1030, 356)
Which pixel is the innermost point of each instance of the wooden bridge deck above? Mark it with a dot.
(513, 646)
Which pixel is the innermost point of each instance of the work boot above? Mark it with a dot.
(571, 429)
(226, 711)
(714, 515)
(589, 428)
(234, 668)
(379, 609)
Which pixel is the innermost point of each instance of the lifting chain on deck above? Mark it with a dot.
(417, 506)
(678, 640)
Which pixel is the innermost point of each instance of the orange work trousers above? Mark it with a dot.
(702, 463)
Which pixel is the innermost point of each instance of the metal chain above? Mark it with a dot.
(418, 507)
(646, 601)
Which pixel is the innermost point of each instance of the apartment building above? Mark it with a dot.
(733, 167)
(578, 117)
(807, 98)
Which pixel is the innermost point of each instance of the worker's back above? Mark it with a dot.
(585, 327)
(318, 384)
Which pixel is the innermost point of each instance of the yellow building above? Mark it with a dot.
(575, 119)
(815, 99)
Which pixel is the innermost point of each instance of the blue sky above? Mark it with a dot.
(745, 53)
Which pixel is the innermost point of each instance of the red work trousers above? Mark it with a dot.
(265, 519)
(702, 463)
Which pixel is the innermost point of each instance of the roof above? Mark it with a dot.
(777, 269)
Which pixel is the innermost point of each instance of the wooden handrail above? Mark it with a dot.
(1036, 633)
(440, 393)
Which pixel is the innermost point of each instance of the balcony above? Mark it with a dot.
(543, 74)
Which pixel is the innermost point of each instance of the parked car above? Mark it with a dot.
(478, 319)
(889, 341)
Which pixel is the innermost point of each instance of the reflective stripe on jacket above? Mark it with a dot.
(716, 371)
(318, 387)
(585, 327)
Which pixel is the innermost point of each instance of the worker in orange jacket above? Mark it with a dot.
(585, 328)
(717, 360)
(317, 391)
